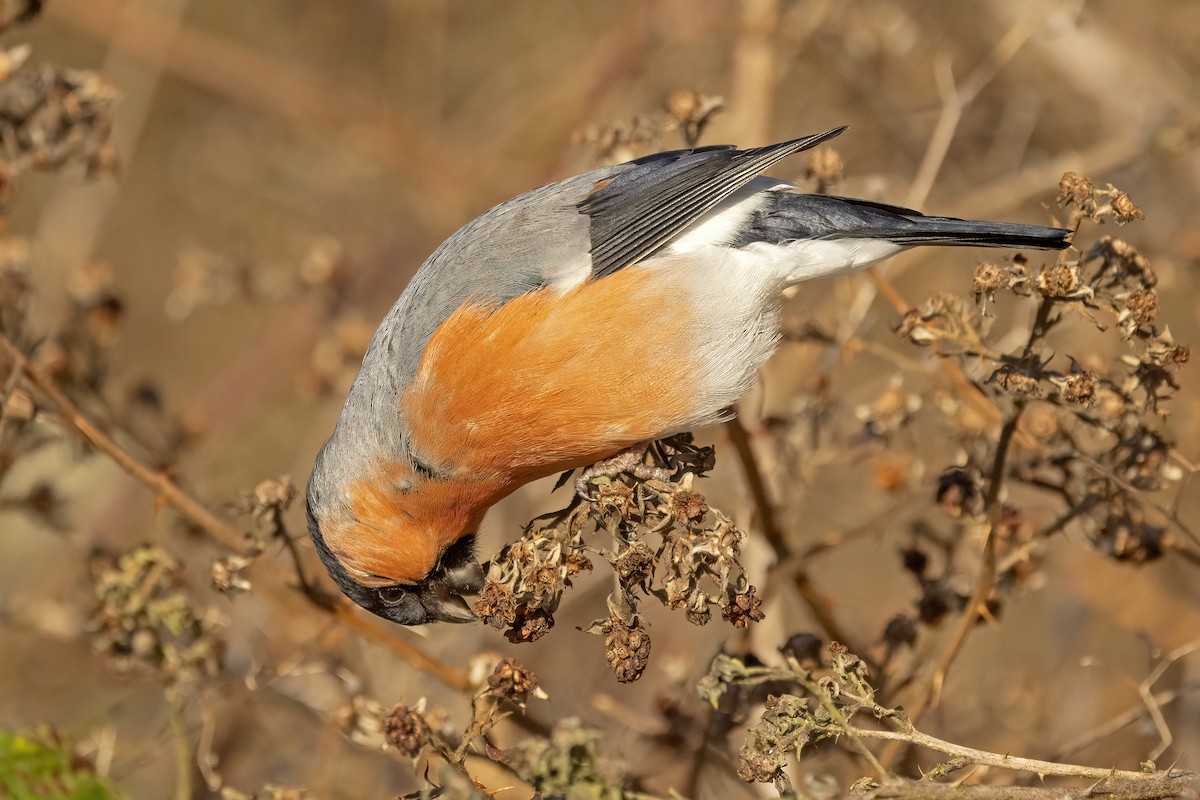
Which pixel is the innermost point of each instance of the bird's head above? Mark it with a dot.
(399, 544)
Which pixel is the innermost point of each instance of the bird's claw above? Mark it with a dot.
(629, 461)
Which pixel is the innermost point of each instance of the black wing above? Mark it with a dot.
(643, 207)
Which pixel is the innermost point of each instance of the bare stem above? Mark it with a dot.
(1005, 761)
(818, 605)
(983, 585)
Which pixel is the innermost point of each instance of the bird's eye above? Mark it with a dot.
(392, 595)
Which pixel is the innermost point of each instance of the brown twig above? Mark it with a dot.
(1042, 768)
(976, 606)
(818, 605)
(1149, 788)
(195, 513)
(164, 490)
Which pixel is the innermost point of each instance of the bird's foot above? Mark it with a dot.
(631, 461)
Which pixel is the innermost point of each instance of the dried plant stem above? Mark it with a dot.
(1157, 787)
(976, 606)
(195, 513)
(182, 745)
(818, 605)
(754, 72)
(912, 736)
(164, 490)
(1127, 718)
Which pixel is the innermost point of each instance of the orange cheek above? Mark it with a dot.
(397, 537)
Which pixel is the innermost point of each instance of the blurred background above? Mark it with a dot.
(284, 167)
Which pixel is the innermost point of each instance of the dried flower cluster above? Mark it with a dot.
(688, 112)
(831, 698)
(50, 118)
(694, 566)
(146, 619)
(1081, 431)
(569, 763)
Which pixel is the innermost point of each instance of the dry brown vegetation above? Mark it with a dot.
(948, 548)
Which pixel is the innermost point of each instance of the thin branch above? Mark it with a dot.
(1005, 761)
(1125, 719)
(195, 513)
(164, 490)
(818, 605)
(1151, 788)
(983, 586)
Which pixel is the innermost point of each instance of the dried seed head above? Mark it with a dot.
(1124, 211)
(615, 496)
(1040, 421)
(1127, 260)
(145, 617)
(627, 648)
(1133, 541)
(892, 474)
(804, 647)
(577, 563)
(1060, 281)
(228, 577)
(1015, 380)
(688, 508)
(1075, 190)
(958, 491)
(635, 563)
(988, 277)
(933, 605)
(826, 167)
(1143, 306)
(406, 730)
(914, 560)
(275, 493)
(512, 681)
(744, 608)
(698, 610)
(900, 630)
(1080, 387)
(783, 729)
(533, 624)
(692, 111)
(496, 605)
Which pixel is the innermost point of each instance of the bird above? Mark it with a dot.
(566, 326)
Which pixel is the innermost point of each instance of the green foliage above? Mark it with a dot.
(38, 765)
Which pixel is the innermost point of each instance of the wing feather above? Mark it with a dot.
(643, 208)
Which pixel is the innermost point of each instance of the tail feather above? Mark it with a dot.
(788, 217)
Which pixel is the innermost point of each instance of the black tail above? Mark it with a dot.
(788, 216)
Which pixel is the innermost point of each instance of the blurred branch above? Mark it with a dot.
(1005, 761)
(195, 513)
(164, 490)
(956, 99)
(976, 607)
(754, 71)
(954, 102)
(246, 76)
(818, 605)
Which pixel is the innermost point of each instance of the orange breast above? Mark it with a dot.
(554, 380)
(505, 395)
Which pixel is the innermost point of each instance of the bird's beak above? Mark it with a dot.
(443, 596)
(446, 605)
(465, 579)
